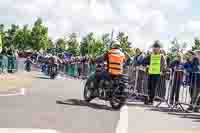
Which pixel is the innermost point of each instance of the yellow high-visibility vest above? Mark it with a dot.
(155, 63)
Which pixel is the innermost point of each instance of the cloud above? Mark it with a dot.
(193, 25)
(143, 20)
(189, 30)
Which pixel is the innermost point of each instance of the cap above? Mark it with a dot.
(156, 44)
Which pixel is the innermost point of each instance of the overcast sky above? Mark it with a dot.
(143, 20)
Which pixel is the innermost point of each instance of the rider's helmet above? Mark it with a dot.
(116, 44)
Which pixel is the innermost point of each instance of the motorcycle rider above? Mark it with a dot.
(53, 62)
(28, 63)
(115, 59)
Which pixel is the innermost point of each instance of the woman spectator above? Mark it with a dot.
(178, 72)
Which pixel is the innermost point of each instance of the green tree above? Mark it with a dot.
(73, 45)
(176, 47)
(2, 35)
(196, 44)
(125, 44)
(22, 39)
(39, 36)
(9, 36)
(98, 48)
(50, 43)
(86, 43)
(61, 43)
(106, 40)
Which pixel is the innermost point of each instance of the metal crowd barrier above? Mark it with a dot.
(162, 92)
(77, 69)
(173, 89)
(138, 80)
(189, 94)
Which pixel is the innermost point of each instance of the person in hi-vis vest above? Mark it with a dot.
(115, 59)
(156, 64)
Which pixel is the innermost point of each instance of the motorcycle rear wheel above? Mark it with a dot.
(52, 76)
(88, 92)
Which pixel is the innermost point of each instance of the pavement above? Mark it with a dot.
(146, 119)
(15, 81)
(57, 106)
(38, 109)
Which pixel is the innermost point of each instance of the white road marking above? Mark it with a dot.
(21, 93)
(122, 125)
(26, 130)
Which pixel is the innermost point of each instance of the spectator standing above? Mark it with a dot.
(156, 64)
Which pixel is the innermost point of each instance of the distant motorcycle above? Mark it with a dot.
(28, 64)
(28, 68)
(53, 71)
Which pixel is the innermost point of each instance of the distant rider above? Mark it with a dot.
(28, 63)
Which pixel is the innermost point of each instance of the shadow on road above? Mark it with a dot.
(161, 109)
(179, 113)
(150, 107)
(40, 77)
(139, 105)
(187, 115)
(77, 102)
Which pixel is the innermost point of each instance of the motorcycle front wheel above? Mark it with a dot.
(53, 76)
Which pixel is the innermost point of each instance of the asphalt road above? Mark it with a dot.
(39, 109)
(144, 119)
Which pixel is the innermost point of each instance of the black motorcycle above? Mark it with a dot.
(28, 67)
(53, 71)
(109, 91)
(28, 64)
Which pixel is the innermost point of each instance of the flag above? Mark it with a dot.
(1, 45)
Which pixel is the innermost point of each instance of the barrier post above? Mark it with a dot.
(15, 63)
(66, 68)
(92, 68)
(162, 90)
(73, 69)
(177, 89)
(69, 69)
(139, 83)
(1, 63)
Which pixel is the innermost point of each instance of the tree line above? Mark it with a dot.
(37, 38)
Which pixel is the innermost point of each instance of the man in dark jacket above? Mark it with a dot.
(194, 81)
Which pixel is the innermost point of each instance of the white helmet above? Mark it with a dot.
(116, 44)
